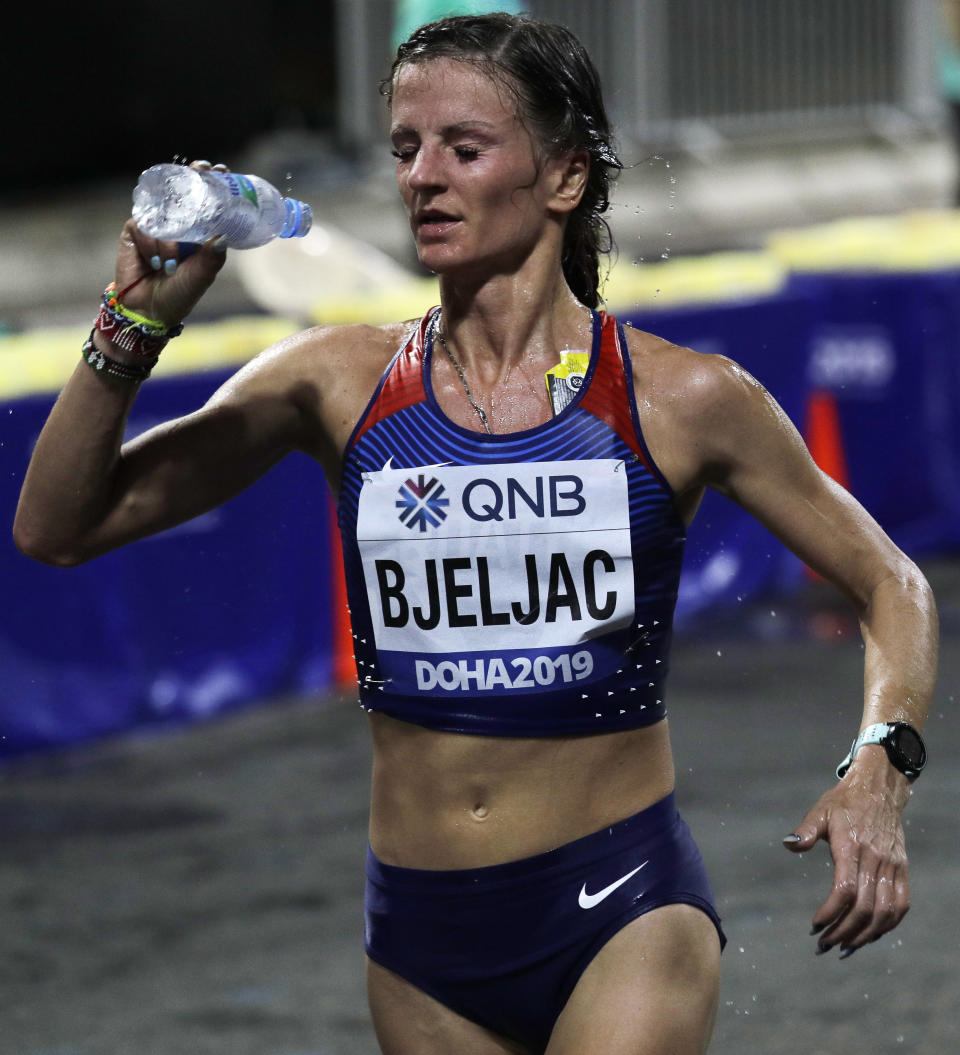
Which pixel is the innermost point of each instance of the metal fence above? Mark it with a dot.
(691, 74)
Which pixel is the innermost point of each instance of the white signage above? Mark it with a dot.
(496, 558)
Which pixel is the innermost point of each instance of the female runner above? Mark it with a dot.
(512, 566)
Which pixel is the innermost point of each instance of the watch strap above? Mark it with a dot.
(873, 734)
(878, 733)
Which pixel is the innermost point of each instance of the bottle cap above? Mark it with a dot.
(299, 218)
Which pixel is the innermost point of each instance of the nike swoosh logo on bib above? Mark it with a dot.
(592, 900)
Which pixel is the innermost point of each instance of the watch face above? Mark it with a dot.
(908, 744)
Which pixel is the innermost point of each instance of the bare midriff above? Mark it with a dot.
(447, 800)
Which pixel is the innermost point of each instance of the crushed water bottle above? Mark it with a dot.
(181, 204)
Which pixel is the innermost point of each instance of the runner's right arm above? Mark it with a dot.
(84, 493)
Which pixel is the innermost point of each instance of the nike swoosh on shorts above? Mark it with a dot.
(592, 900)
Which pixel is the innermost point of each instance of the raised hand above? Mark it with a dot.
(163, 280)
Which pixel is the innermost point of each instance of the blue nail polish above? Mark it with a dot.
(155, 263)
(170, 266)
(821, 949)
(845, 954)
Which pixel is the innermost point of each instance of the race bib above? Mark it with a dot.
(475, 574)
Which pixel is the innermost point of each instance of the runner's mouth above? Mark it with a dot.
(434, 218)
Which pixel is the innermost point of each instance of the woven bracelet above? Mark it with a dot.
(131, 373)
(130, 330)
(129, 336)
(114, 305)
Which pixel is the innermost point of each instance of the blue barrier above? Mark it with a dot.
(730, 556)
(228, 609)
(235, 607)
(885, 347)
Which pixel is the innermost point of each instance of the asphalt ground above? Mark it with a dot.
(200, 891)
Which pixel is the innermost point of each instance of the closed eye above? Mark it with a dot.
(463, 153)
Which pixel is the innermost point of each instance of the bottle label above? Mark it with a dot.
(240, 186)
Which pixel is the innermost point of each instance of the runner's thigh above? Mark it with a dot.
(651, 990)
(410, 1022)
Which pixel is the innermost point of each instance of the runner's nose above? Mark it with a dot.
(425, 171)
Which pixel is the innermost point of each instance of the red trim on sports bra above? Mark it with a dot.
(402, 385)
(607, 396)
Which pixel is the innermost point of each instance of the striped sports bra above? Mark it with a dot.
(518, 584)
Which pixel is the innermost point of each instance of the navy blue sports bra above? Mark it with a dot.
(518, 584)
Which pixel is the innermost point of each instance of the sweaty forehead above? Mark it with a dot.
(447, 92)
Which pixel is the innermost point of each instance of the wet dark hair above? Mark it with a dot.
(559, 97)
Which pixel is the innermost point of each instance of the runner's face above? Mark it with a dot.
(467, 168)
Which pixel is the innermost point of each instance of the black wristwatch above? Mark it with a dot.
(903, 744)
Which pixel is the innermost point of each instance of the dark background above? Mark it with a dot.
(94, 92)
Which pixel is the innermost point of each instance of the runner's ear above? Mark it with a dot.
(569, 173)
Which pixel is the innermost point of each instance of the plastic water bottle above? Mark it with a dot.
(181, 204)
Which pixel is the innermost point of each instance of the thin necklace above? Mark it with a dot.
(481, 413)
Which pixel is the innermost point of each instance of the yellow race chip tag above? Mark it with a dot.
(566, 378)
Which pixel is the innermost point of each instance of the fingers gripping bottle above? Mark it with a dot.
(182, 204)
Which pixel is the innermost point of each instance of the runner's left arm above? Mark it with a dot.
(752, 453)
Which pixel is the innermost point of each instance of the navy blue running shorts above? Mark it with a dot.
(505, 945)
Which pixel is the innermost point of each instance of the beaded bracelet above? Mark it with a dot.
(132, 373)
(113, 304)
(128, 336)
(130, 330)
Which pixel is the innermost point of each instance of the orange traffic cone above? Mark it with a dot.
(824, 438)
(344, 665)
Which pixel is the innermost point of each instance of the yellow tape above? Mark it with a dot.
(693, 280)
(914, 241)
(410, 300)
(41, 361)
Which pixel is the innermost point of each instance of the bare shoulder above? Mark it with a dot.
(313, 385)
(322, 355)
(699, 411)
(669, 376)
